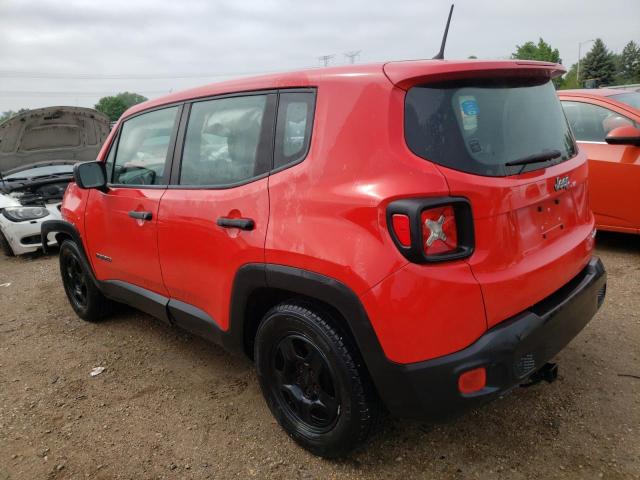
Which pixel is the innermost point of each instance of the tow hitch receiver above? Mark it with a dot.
(548, 373)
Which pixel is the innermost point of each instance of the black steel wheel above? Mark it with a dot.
(305, 383)
(310, 377)
(83, 294)
(75, 280)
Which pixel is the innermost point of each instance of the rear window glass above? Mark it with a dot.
(478, 126)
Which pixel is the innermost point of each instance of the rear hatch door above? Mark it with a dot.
(501, 140)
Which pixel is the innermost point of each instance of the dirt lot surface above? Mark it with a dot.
(169, 405)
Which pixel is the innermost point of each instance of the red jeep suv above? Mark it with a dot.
(410, 235)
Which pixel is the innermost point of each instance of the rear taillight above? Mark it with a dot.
(402, 228)
(428, 230)
(439, 230)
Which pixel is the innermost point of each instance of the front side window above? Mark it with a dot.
(222, 144)
(143, 148)
(592, 123)
(478, 126)
(293, 131)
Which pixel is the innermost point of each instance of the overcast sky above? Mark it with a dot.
(72, 52)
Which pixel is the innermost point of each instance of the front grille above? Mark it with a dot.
(525, 365)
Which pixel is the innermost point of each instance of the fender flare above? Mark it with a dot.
(383, 372)
(70, 230)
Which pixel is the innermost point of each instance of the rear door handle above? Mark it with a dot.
(140, 215)
(241, 223)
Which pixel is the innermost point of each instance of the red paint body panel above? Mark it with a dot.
(199, 259)
(328, 212)
(526, 244)
(131, 244)
(423, 312)
(614, 170)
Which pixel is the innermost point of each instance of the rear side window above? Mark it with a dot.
(224, 143)
(143, 148)
(592, 123)
(477, 126)
(294, 126)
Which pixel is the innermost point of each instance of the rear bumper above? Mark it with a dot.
(511, 351)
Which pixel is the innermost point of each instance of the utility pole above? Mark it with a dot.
(579, 55)
(352, 55)
(325, 59)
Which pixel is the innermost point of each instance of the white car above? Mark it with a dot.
(38, 149)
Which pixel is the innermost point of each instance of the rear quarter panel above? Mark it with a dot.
(327, 213)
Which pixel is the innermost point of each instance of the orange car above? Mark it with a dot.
(606, 125)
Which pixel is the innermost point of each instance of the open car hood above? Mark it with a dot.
(72, 134)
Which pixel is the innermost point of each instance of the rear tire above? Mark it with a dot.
(310, 378)
(85, 298)
(5, 247)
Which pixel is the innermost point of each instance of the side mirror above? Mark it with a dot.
(90, 175)
(627, 135)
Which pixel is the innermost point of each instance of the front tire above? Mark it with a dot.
(310, 378)
(85, 298)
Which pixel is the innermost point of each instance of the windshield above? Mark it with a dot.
(629, 98)
(41, 172)
(478, 126)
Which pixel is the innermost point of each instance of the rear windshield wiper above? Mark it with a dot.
(535, 158)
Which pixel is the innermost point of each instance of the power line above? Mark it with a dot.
(24, 93)
(126, 76)
(352, 55)
(325, 59)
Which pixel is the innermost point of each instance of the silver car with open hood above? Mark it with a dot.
(38, 149)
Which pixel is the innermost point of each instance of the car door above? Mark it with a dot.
(213, 218)
(121, 223)
(614, 170)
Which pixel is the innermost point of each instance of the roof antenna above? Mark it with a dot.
(440, 54)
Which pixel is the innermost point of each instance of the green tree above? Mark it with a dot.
(541, 51)
(114, 106)
(4, 116)
(570, 79)
(629, 63)
(598, 65)
(130, 99)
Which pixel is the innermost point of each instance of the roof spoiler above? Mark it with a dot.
(414, 72)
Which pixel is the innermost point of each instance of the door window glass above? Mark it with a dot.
(592, 123)
(143, 148)
(222, 144)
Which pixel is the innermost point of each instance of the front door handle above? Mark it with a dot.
(241, 223)
(140, 215)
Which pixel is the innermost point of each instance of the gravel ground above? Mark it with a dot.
(169, 405)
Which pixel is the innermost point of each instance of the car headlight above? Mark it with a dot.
(22, 214)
